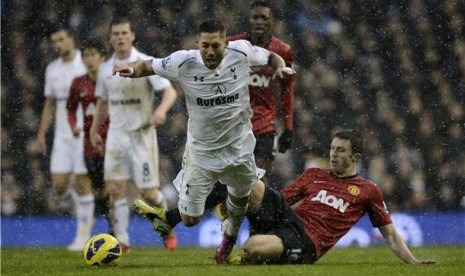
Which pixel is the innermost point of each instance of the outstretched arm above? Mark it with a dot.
(136, 69)
(277, 63)
(398, 246)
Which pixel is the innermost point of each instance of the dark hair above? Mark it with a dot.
(261, 3)
(94, 44)
(122, 20)
(355, 138)
(59, 28)
(212, 26)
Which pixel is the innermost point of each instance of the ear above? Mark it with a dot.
(226, 41)
(357, 157)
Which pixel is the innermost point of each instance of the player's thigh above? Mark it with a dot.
(240, 178)
(79, 165)
(196, 185)
(116, 163)
(62, 156)
(264, 246)
(145, 160)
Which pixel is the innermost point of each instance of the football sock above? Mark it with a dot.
(85, 206)
(236, 216)
(121, 220)
(173, 217)
(161, 202)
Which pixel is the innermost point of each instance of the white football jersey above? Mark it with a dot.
(217, 99)
(58, 78)
(130, 101)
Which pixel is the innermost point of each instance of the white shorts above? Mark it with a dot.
(68, 155)
(233, 166)
(133, 156)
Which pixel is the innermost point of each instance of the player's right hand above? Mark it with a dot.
(76, 131)
(97, 142)
(123, 70)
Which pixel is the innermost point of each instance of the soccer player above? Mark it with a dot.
(220, 140)
(83, 92)
(262, 88)
(131, 149)
(305, 220)
(67, 156)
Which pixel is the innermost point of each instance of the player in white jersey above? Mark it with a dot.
(220, 141)
(131, 150)
(67, 156)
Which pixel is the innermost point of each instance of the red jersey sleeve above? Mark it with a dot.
(377, 210)
(287, 87)
(72, 104)
(296, 191)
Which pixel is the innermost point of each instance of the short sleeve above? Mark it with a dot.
(377, 210)
(159, 83)
(256, 56)
(48, 92)
(168, 67)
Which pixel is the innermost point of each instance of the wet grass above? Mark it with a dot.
(195, 261)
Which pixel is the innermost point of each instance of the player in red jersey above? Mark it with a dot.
(262, 89)
(302, 222)
(305, 220)
(82, 92)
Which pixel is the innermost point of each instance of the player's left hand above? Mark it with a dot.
(285, 140)
(283, 72)
(76, 131)
(158, 118)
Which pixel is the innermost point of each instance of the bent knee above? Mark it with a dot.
(190, 221)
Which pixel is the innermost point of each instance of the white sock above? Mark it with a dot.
(121, 220)
(161, 202)
(85, 206)
(236, 216)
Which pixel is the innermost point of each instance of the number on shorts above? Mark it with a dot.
(145, 169)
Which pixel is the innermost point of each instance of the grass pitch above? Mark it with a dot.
(196, 261)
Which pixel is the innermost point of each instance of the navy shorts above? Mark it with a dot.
(276, 217)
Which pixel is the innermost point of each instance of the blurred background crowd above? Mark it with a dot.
(393, 69)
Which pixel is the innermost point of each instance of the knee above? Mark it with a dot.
(116, 190)
(190, 221)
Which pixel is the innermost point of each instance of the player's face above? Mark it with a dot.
(62, 42)
(92, 59)
(342, 161)
(121, 37)
(211, 47)
(261, 21)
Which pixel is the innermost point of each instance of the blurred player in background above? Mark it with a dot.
(67, 156)
(220, 140)
(83, 93)
(131, 150)
(263, 89)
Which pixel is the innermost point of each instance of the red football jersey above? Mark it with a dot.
(83, 91)
(329, 206)
(262, 90)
